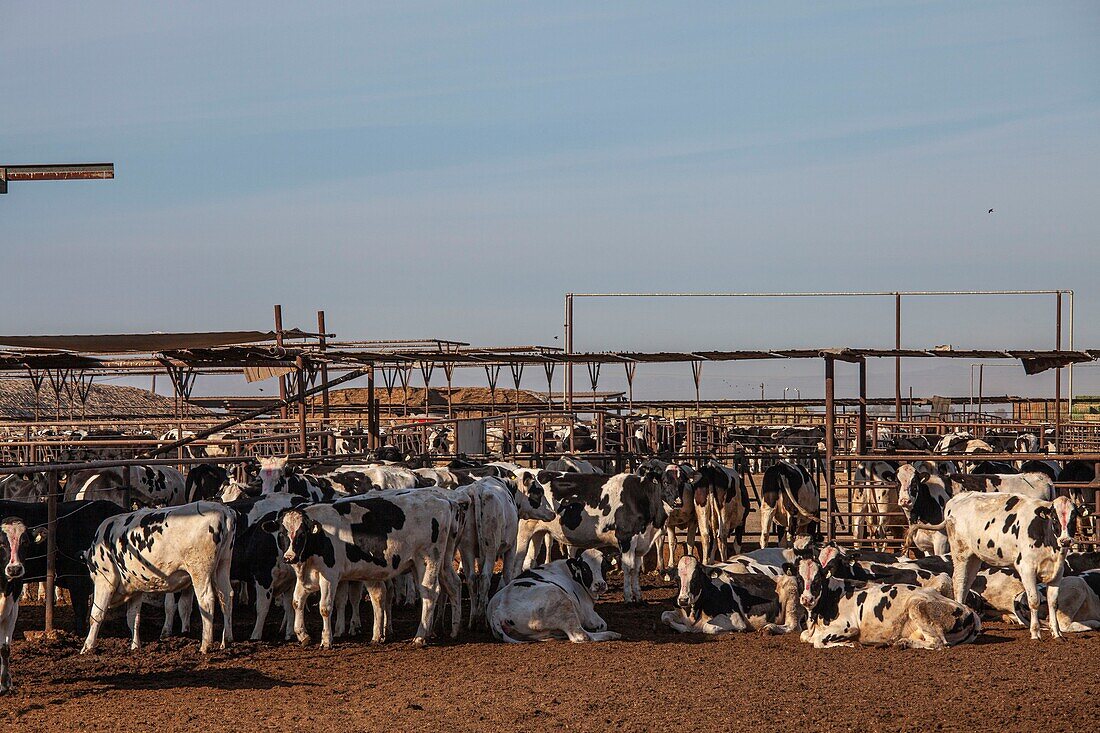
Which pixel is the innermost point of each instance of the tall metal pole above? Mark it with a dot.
(830, 428)
(981, 386)
(897, 359)
(51, 549)
(372, 411)
(861, 436)
(568, 350)
(279, 343)
(322, 345)
(1058, 373)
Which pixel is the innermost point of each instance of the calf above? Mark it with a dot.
(1009, 530)
(714, 601)
(624, 511)
(164, 551)
(846, 612)
(788, 497)
(553, 601)
(372, 539)
(15, 541)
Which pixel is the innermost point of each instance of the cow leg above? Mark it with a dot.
(204, 594)
(223, 587)
(133, 620)
(79, 593)
(329, 591)
(380, 606)
(1027, 577)
(100, 601)
(355, 598)
(573, 628)
(722, 536)
(427, 574)
(288, 627)
(1052, 609)
(963, 573)
(263, 605)
(766, 514)
(706, 534)
(184, 607)
(724, 623)
(452, 587)
(526, 536)
(340, 602)
(675, 619)
(5, 667)
(169, 615)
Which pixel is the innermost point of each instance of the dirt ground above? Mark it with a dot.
(652, 679)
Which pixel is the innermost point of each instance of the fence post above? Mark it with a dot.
(51, 550)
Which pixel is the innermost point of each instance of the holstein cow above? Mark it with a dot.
(553, 601)
(496, 507)
(846, 612)
(922, 496)
(714, 601)
(372, 539)
(788, 497)
(961, 442)
(721, 504)
(164, 551)
(77, 524)
(624, 511)
(24, 487)
(1009, 530)
(144, 486)
(15, 541)
(1078, 603)
(205, 482)
(876, 499)
(840, 564)
(571, 464)
(276, 478)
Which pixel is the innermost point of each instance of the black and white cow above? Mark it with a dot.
(205, 482)
(922, 496)
(721, 504)
(788, 498)
(845, 566)
(144, 486)
(876, 499)
(15, 542)
(492, 523)
(77, 523)
(553, 601)
(846, 612)
(1035, 485)
(572, 464)
(713, 600)
(276, 478)
(1078, 604)
(1009, 530)
(372, 539)
(625, 511)
(164, 551)
(24, 487)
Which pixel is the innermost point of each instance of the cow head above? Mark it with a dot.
(292, 530)
(533, 487)
(1063, 515)
(272, 474)
(813, 580)
(14, 546)
(1027, 443)
(910, 480)
(692, 578)
(588, 571)
(529, 497)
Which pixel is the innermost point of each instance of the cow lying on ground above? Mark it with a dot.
(846, 612)
(1008, 530)
(843, 566)
(788, 497)
(15, 541)
(164, 551)
(1078, 604)
(714, 601)
(373, 539)
(624, 512)
(553, 601)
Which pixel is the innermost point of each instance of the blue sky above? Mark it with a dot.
(451, 169)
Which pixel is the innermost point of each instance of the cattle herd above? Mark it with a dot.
(474, 544)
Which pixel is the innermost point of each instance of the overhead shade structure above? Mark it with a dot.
(39, 360)
(1037, 364)
(144, 343)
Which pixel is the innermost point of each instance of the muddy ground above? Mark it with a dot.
(654, 679)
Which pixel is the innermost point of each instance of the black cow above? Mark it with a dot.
(77, 522)
(788, 497)
(205, 482)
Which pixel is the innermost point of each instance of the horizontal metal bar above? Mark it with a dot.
(848, 294)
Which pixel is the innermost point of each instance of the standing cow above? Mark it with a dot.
(788, 497)
(164, 551)
(15, 541)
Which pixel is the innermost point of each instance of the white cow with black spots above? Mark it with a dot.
(15, 543)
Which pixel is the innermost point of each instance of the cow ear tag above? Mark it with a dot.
(315, 529)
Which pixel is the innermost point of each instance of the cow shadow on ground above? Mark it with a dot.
(217, 678)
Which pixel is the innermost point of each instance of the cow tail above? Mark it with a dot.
(498, 631)
(914, 528)
(794, 502)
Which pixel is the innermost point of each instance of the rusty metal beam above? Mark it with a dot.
(59, 172)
